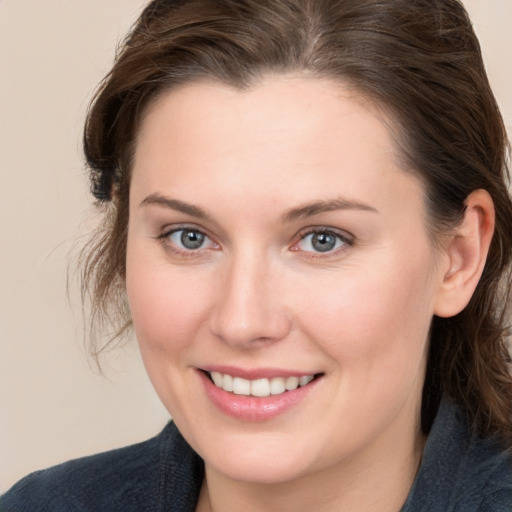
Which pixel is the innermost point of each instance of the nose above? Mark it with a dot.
(250, 306)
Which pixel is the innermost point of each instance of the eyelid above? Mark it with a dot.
(172, 228)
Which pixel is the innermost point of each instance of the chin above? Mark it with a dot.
(264, 458)
(259, 470)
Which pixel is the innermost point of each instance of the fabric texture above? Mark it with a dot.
(459, 473)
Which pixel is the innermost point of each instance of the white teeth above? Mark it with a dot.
(277, 386)
(241, 386)
(217, 378)
(227, 382)
(258, 387)
(291, 383)
(304, 381)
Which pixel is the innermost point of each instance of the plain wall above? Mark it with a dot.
(52, 55)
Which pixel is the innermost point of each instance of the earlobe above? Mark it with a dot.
(467, 252)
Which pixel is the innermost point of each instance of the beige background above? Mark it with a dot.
(52, 54)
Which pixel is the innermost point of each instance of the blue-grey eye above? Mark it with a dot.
(320, 241)
(189, 239)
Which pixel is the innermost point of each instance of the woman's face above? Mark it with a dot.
(273, 237)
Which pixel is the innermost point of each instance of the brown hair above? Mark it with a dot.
(420, 60)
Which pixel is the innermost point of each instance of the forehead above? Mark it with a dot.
(286, 135)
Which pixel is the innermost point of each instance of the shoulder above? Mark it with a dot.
(126, 479)
(490, 476)
(460, 471)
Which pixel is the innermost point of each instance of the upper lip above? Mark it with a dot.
(257, 373)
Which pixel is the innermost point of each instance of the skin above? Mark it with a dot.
(257, 294)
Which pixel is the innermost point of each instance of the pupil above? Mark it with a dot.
(192, 239)
(323, 242)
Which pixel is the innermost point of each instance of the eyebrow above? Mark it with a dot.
(316, 207)
(175, 204)
(300, 212)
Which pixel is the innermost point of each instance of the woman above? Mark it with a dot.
(309, 223)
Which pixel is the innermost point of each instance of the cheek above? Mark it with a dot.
(166, 307)
(376, 318)
(167, 310)
(374, 329)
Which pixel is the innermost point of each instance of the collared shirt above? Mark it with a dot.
(459, 472)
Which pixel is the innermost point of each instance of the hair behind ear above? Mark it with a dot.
(469, 359)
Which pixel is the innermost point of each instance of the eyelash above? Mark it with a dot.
(345, 239)
(341, 236)
(164, 239)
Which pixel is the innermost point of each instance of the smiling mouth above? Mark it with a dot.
(259, 387)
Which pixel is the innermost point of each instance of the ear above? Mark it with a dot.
(466, 255)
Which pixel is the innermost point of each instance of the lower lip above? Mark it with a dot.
(251, 408)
